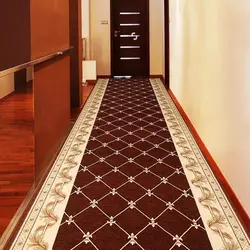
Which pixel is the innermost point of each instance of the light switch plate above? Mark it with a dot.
(104, 22)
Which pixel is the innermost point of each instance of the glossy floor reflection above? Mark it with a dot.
(16, 153)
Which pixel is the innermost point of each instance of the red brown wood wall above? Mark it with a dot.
(49, 34)
(15, 33)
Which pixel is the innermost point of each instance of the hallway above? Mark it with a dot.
(131, 176)
(125, 125)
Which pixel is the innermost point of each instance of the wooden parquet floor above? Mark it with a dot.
(17, 151)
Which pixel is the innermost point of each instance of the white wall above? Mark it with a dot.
(100, 36)
(6, 85)
(210, 76)
(85, 18)
(86, 25)
(156, 26)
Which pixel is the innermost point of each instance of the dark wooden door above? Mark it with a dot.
(130, 37)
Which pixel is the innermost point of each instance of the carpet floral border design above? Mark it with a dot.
(42, 223)
(223, 227)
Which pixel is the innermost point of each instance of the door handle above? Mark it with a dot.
(116, 32)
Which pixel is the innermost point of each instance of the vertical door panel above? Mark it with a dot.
(76, 56)
(167, 38)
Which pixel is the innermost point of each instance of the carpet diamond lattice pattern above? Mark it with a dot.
(131, 191)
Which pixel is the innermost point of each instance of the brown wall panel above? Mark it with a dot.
(49, 26)
(51, 108)
(15, 33)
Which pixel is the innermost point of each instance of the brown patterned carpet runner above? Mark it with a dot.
(131, 191)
